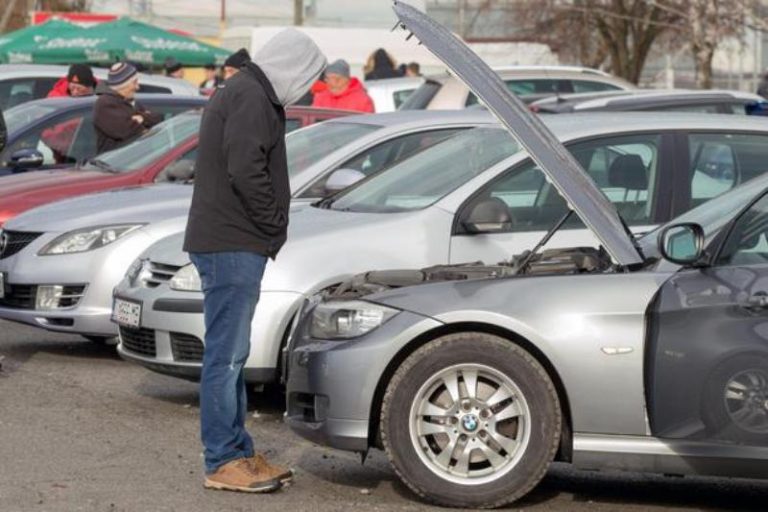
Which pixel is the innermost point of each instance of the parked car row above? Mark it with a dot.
(478, 292)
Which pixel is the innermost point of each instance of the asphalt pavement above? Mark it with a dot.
(81, 430)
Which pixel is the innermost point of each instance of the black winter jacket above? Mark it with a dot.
(112, 120)
(242, 194)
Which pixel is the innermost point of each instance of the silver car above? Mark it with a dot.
(649, 356)
(60, 262)
(475, 196)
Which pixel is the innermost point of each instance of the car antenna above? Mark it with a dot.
(528, 257)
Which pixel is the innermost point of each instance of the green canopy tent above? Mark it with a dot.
(14, 45)
(124, 39)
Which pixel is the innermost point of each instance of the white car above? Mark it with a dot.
(388, 94)
(530, 83)
(20, 83)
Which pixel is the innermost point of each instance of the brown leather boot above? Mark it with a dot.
(279, 473)
(241, 475)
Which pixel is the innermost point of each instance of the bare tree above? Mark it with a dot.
(704, 24)
(617, 33)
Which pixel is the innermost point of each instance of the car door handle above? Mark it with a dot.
(757, 301)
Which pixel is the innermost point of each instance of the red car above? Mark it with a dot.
(165, 153)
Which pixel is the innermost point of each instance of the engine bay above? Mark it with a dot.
(577, 260)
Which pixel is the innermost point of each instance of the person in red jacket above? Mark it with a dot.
(344, 92)
(78, 82)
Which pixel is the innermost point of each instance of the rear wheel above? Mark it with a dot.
(471, 420)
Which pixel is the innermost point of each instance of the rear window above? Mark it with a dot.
(422, 96)
(590, 86)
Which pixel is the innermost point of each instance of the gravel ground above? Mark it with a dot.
(81, 430)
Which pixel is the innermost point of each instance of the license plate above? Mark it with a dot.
(126, 313)
(2, 285)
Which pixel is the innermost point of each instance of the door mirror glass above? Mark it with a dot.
(489, 216)
(682, 243)
(24, 159)
(341, 179)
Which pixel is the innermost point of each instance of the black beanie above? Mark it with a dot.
(81, 74)
(238, 59)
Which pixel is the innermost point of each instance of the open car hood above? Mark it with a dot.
(565, 173)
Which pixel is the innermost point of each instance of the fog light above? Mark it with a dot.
(48, 296)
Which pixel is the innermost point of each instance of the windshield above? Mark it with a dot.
(18, 117)
(152, 145)
(713, 214)
(430, 175)
(313, 143)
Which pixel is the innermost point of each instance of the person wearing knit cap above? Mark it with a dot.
(78, 82)
(238, 220)
(173, 68)
(343, 92)
(117, 117)
(212, 80)
(235, 61)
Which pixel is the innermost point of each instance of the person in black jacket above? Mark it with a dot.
(381, 65)
(238, 220)
(117, 117)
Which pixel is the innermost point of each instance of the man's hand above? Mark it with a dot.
(138, 118)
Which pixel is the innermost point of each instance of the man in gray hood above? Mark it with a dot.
(237, 221)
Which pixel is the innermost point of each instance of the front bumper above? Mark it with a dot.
(172, 331)
(332, 385)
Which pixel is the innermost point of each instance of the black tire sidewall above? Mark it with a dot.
(505, 357)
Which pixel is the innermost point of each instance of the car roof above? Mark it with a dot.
(400, 117)
(586, 101)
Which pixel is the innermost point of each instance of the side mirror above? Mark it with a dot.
(682, 243)
(341, 179)
(489, 216)
(25, 159)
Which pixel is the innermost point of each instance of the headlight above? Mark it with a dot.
(87, 239)
(186, 280)
(348, 319)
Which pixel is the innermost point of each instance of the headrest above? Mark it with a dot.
(629, 172)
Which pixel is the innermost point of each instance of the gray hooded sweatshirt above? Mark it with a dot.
(292, 62)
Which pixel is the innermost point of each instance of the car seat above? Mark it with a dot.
(629, 172)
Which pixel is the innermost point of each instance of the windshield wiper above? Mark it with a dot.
(101, 164)
(547, 237)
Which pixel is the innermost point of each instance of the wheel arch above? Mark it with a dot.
(566, 438)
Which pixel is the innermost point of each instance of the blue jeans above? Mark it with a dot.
(231, 286)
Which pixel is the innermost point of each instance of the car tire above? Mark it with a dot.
(735, 400)
(485, 360)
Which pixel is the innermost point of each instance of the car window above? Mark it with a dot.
(720, 161)
(422, 96)
(528, 86)
(747, 243)
(399, 97)
(170, 110)
(590, 86)
(430, 175)
(703, 108)
(18, 117)
(381, 156)
(145, 88)
(313, 143)
(153, 144)
(21, 90)
(623, 167)
(64, 139)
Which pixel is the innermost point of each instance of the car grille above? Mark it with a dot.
(138, 341)
(186, 348)
(22, 296)
(12, 242)
(159, 273)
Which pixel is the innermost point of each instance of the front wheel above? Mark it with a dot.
(471, 420)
